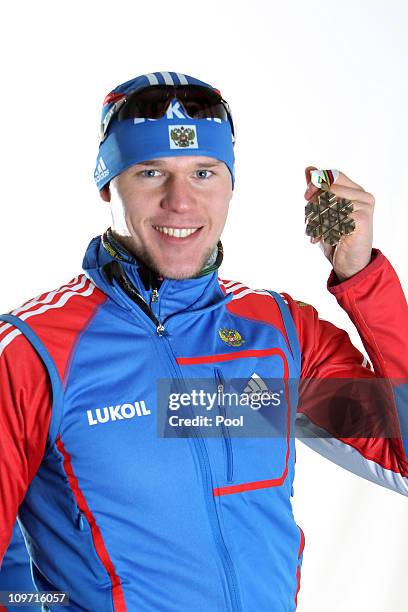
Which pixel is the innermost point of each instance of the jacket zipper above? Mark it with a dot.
(115, 270)
(80, 520)
(197, 441)
(225, 431)
(209, 496)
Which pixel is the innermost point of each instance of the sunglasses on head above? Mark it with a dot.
(152, 102)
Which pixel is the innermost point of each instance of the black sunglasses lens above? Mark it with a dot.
(202, 103)
(152, 102)
(149, 103)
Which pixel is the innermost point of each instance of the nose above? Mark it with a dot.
(178, 195)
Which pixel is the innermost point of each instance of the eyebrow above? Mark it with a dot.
(156, 162)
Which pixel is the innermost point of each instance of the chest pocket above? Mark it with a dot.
(252, 444)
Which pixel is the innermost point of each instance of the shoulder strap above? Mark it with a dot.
(57, 392)
(290, 328)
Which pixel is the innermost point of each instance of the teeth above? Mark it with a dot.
(176, 232)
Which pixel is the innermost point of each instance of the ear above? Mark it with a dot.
(105, 193)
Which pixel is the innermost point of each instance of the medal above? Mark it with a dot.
(327, 216)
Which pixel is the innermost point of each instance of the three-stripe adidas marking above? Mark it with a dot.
(239, 290)
(101, 170)
(83, 288)
(256, 384)
(167, 77)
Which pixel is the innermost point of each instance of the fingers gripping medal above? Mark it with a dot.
(327, 216)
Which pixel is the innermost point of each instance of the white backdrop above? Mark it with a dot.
(318, 82)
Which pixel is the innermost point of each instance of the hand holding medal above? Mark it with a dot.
(339, 216)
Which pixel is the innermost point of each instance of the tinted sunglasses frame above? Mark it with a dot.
(169, 93)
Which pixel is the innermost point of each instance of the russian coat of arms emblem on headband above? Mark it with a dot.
(183, 137)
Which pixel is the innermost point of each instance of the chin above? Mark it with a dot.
(179, 272)
(175, 267)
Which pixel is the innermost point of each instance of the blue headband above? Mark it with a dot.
(135, 140)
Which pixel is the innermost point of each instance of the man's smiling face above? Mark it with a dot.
(170, 211)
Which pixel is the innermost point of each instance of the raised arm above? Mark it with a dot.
(374, 300)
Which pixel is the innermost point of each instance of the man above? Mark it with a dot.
(114, 513)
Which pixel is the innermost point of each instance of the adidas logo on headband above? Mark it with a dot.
(101, 171)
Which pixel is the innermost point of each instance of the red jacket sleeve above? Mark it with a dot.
(375, 302)
(25, 412)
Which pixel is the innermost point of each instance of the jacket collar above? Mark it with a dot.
(105, 255)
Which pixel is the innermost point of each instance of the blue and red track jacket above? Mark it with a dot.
(123, 519)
